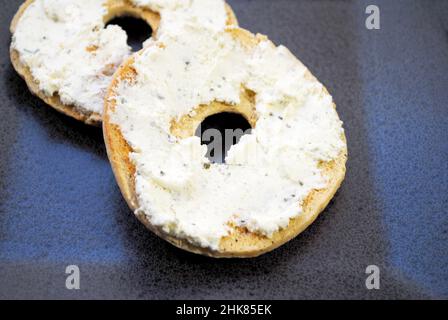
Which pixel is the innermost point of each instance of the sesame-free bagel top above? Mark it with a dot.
(67, 55)
(274, 182)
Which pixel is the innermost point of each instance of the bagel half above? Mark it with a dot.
(240, 243)
(116, 8)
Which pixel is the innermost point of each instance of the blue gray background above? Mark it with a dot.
(59, 203)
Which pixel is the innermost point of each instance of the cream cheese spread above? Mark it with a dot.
(70, 52)
(267, 175)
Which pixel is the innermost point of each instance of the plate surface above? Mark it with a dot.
(60, 206)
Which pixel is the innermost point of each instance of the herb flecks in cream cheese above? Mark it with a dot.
(267, 175)
(70, 52)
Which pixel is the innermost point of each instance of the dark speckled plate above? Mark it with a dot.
(59, 204)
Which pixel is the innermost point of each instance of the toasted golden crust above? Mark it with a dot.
(241, 243)
(116, 8)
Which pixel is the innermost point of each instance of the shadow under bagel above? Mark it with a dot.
(57, 126)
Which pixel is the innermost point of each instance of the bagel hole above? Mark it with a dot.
(138, 30)
(220, 132)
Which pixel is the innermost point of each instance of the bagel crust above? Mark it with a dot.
(80, 94)
(242, 239)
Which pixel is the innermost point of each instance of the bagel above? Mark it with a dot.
(67, 56)
(248, 205)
